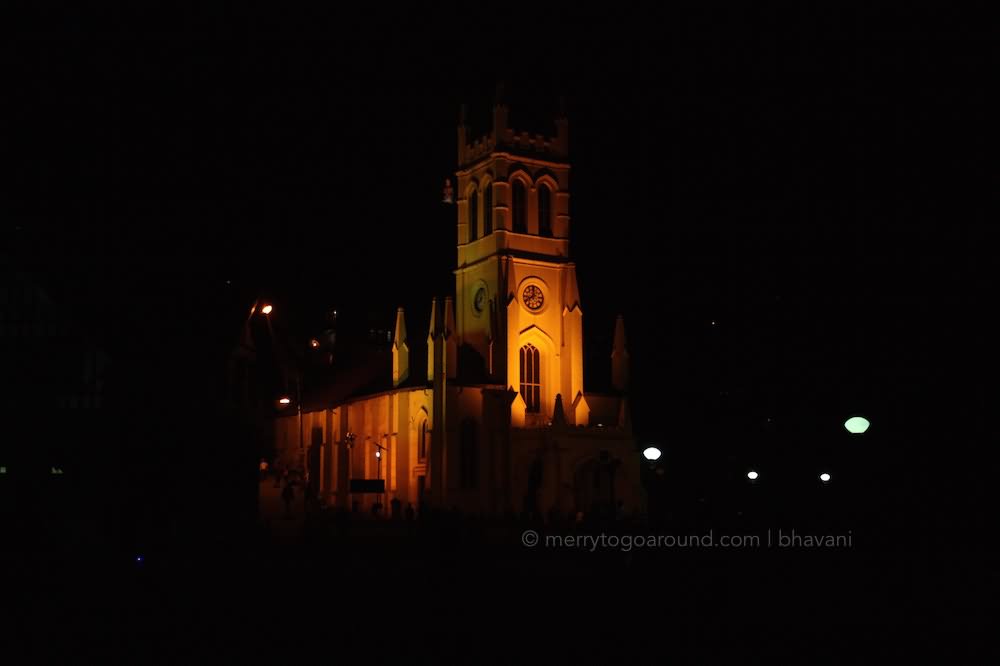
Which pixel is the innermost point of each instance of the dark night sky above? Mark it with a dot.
(816, 183)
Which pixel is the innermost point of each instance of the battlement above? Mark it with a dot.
(506, 139)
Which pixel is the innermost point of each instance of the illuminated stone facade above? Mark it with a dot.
(500, 420)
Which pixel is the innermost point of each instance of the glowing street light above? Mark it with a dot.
(652, 453)
(752, 475)
(285, 401)
(378, 454)
(856, 425)
(266, 309)
(824, 477)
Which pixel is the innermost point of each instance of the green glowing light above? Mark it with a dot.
(856, 425)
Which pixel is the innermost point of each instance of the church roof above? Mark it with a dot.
(362, 366)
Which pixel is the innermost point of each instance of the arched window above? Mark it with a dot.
(531, 389)
(544, 211)
(518, 206)
(473, 215)
(422, 441)
(488, 209)
(469, 477)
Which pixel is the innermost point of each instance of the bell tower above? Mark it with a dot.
(517, 303)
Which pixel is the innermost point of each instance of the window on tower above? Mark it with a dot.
(473, 214)
(544, 211)
(531, 388)
(488, 209)
(518, 204)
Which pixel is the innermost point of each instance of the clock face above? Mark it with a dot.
(533, 298)
(479, 302)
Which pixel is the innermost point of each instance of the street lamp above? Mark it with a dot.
(267, 309)
(652, 454)
(824, 477)
(856, 425)
(285, 401)
(752, 475)
(379, 449)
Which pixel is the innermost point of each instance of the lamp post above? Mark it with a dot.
(298, 405)
(266, 309)
(379, 451)
(285, 401)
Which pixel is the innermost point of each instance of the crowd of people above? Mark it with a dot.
(295, 484)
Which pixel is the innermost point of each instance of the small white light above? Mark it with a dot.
(856, 425)
(285, 401)
(266, 309)
(3, 470)
(752, 475)
(824, 477)
(652, 453)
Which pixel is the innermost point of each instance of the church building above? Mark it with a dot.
(490, 414)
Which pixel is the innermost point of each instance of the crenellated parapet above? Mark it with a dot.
(503, 138)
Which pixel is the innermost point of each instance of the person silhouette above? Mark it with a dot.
(288, 494)
(395, 505)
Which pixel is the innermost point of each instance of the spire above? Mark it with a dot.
(399, 340)
(619, 358)
(572, 296)
(581, 410)
(558, 414)
(434, 330)
(400, 352)
(624, 414)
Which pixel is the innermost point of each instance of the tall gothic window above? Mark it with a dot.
(544, 211)
(422, 442)
(531, 389)
(518, 204)
(473, 214)
(488, 209)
